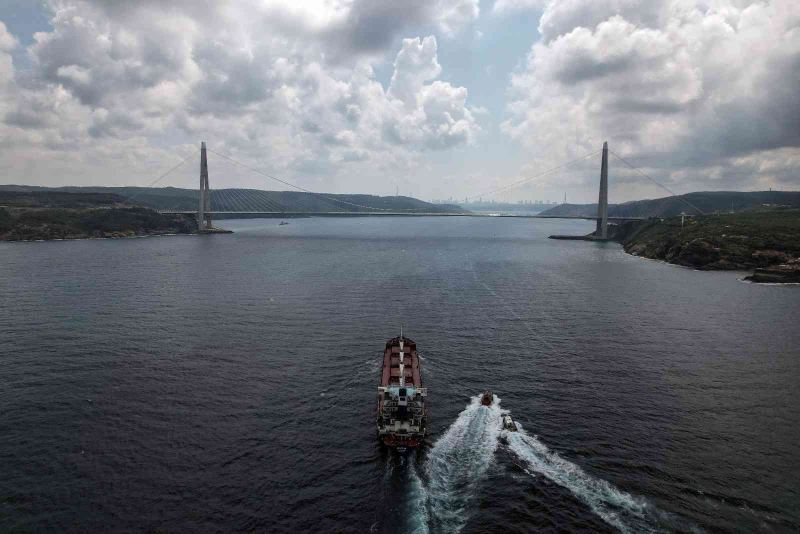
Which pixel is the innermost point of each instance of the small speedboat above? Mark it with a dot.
(487, 398)
(283, 223)
(508, 423)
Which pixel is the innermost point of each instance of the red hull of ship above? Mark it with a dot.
(401, 400)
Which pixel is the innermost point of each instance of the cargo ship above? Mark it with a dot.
(402, 417)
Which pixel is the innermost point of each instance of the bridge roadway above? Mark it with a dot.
(392, 214)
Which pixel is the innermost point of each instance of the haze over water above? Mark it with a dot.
(217, 383)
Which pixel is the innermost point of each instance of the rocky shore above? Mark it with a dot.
(785, 273)
(767, 242)
(35, 224)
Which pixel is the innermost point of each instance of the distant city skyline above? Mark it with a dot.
(431, 98)
(522, 202)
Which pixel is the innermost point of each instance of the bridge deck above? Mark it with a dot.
(393, 214)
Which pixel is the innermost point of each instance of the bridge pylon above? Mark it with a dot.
(602, 205)
(204, 208)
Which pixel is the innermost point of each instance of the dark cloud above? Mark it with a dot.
(644, 105)
(117, 124)
(285, 84)
(702, 86)
(582, 68)
(562, 17)
(26, 118)
(767, 118)
(373, 25)
(232, 79)
(96, 57)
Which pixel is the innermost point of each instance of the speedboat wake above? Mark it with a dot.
(442, 489)
(616, 507)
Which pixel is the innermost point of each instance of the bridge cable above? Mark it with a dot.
(161, 177)
(662, 186)
(320, 195)
(539, 175)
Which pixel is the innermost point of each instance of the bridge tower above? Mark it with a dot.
(204, 208)
(602, 205)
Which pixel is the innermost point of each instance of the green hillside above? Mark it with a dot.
(58, 199)
(766, 240)
(170, 198)
(704, 201)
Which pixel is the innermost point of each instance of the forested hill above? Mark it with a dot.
(706, 201)
(170, 198)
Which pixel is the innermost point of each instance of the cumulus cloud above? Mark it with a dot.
(691, 89)
(7, 44)
(562, 17)
(701, 93)
(369, 26)
(7, 41)
(454, 15)
(433, 115)
(265, 79)
(95, 57)
(415, 64)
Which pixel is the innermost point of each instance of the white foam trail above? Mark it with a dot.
(616, 507)
(458, 461)
(417, 513)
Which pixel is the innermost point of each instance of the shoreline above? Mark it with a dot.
(90, 238)
(744, 272)
(763, 244)
(44, 223)
(748, 274)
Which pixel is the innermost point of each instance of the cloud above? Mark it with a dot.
(372, 25)
(454, 15)
(559, 18)
(687, 88)
(7, 41)
(120, 76)
(415, 64)
(433, 116)
(342, 94)
(96, 57)
(358, 27)
(7, 44)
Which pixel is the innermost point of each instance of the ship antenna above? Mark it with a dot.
(401, 330)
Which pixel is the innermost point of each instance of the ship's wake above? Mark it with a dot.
(442, 489)
(455, 466)
(417, 512)
(616, 507)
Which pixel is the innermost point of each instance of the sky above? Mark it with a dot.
(435, 99)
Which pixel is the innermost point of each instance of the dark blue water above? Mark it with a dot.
(221, 383)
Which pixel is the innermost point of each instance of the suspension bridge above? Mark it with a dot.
(205, 213)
